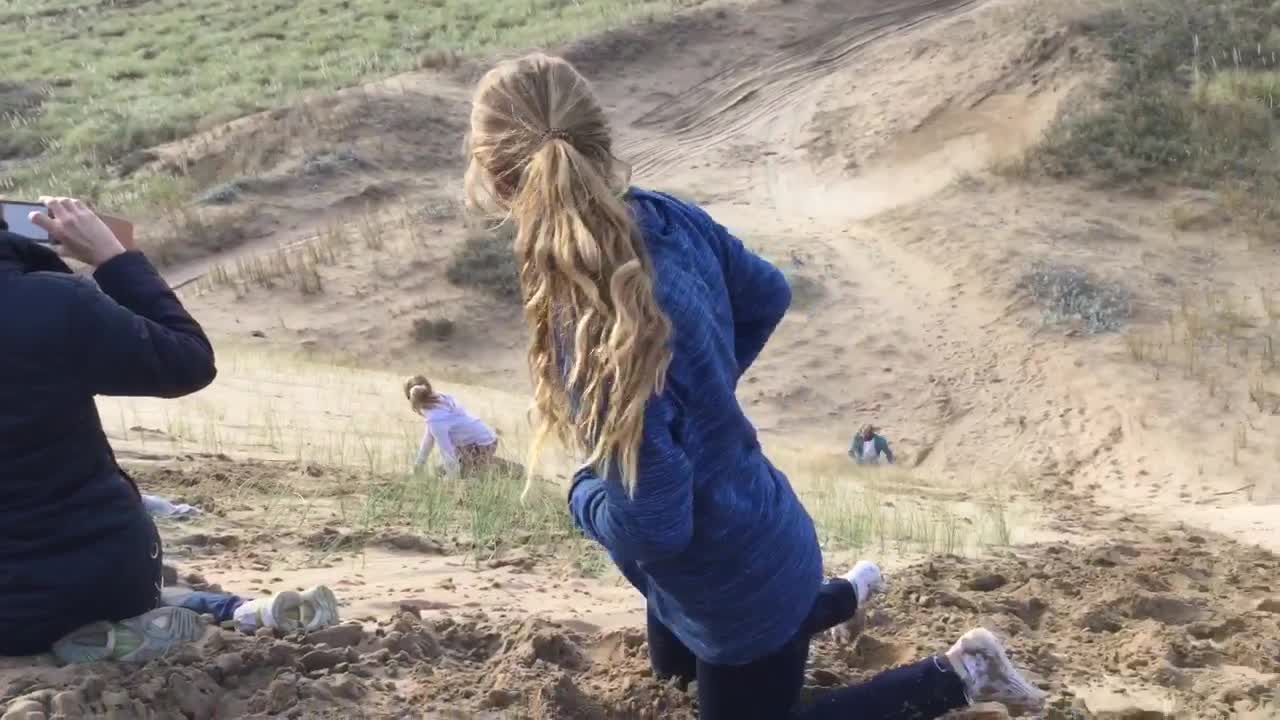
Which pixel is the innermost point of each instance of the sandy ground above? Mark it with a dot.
(1103, 502)
(1153, 618)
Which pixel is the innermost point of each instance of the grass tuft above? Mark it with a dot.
(1071, 295)
(433, 329)
(485, 261)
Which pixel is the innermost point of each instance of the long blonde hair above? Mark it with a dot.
(540, 150)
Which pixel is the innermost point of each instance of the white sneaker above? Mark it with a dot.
(279, 611)
(867, 580)
(319, 608)
(988, 675)
(289, 611)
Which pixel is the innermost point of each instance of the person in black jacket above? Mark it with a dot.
(76, 545)
(80, 560)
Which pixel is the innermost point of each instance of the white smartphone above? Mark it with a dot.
(17, 216)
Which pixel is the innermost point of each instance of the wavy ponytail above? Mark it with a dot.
(540, 149)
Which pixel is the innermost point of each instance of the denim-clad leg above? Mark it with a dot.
(222, 606)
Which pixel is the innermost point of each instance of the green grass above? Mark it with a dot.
(1192, 101)
(851, 510)
(487, 511)
(859, 516)
(90, 84)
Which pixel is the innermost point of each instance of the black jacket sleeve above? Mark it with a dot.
(134, 338)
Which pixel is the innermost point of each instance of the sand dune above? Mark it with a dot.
(1118, 488)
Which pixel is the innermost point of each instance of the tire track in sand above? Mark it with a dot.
(769, 98)
(753, 90)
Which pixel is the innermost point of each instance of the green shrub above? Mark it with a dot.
(486, 261)
(1192, 99)
(425, 329)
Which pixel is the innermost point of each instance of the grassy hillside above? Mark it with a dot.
(1194, 99)
(88, 85)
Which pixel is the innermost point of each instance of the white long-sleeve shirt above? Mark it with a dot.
(451, 427)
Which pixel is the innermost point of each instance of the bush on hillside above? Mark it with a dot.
(1194, 99)
(1072, 295)
(431, 329)
(485, 261)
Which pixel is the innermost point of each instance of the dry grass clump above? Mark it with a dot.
(1074, 296)
(486, 261)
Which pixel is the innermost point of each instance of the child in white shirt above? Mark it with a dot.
(466, 443)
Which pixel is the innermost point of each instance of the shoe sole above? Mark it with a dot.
(180, 626)
(326, 607)
(281, 619)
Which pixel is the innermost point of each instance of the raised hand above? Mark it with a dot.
(82, 234)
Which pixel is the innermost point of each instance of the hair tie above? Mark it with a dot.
(555, 134)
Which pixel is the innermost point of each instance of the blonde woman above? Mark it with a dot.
(467, 445)
(643, 314)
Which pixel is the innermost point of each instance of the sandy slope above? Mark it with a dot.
(872, 182)
(919, 327)
(848, 142)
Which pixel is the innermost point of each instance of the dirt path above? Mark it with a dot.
(749, 127)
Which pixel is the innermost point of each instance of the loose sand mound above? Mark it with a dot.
(1189, 624)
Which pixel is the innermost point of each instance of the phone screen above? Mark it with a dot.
(16, 217)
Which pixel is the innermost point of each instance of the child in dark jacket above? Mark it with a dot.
(644, 314)
(869, 446)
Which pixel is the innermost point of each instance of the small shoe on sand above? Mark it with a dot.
(288, 611)
(980, 660)
(138, 639)
(319, 608)
(279, 611)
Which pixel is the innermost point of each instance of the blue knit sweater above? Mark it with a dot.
(714, 535)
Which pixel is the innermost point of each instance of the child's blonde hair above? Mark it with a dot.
(418, 391)
(540, 150)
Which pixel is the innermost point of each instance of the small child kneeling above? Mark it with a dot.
(467, 445)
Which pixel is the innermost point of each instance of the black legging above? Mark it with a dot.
(769, 688)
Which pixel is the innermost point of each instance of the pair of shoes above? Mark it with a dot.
(290, 611)
(154, 633)
(138, 639)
